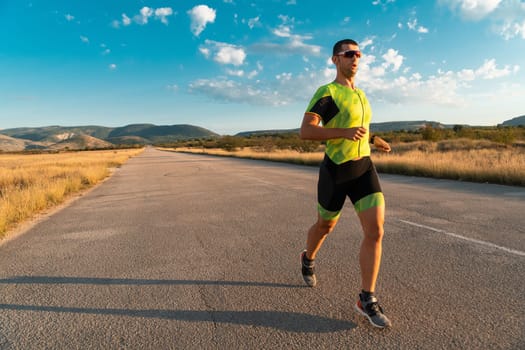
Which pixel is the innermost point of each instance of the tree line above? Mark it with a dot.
(291, 141)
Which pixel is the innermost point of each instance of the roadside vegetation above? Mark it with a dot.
(31, 183)
(481, 154)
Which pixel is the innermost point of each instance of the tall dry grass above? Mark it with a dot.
(467, 160)
(286, 156)
(505, 166)
(30, 183)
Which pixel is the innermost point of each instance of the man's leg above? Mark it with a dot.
(317, 234)
(372, 221)
(314, 241)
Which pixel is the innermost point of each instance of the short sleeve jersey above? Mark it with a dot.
(342, 107)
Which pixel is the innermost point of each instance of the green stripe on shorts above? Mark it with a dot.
(327, 214)
(370, 201)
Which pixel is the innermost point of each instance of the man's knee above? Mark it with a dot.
(372, 221)
(374, 232)
(325, 226)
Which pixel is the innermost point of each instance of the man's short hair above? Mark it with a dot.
(338, 47)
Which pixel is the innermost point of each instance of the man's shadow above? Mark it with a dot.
(281, 320)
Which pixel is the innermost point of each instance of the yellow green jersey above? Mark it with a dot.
(339, 106)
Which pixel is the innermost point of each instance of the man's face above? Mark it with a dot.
(347, 60)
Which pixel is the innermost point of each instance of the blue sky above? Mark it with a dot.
(234, 65)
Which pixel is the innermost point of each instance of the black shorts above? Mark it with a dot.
(356, 179)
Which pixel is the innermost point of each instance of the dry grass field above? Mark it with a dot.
(31, 183)
(461, 159)
(482, 163)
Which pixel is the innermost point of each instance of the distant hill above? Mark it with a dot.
(50, 132)
(128, 140)
(515, 121)
(80, 142)
(95, 137)
(163, 133)
(406, 125)
(11, 144)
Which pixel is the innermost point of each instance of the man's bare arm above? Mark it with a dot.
(310, 130)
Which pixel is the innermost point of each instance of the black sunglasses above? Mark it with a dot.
(350, 53)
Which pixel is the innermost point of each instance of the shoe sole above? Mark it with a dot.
(310, 283)
(360, 311)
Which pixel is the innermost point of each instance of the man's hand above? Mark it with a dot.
(381, 144)
(355, 134)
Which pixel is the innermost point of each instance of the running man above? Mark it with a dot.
(347, 170)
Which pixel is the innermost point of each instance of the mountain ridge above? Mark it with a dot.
(55, 137)
(518, 121)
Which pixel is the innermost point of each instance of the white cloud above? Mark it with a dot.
(384, 77)
(235, 72)
(143, 17)
(69, 17)
(126, 20)
(200, 16)
(489, 70)
(282, 31)
(412, 25)
(382, 3)
(112, 66)
(365, 43)
(285, 89)
(223, 53)
(510, 29)
(294, 43)
(284, 76)
(472, 9)
(253, 22)
(510, 19)
(466, 74)
(293, 47)
(228, 90)
(205, 51)
(393, 58)
(507, 16)
(162, 13)
(84, 39)
(440, 89)
(252, 74)
(230, 55)
(328, 73)
(444, 88)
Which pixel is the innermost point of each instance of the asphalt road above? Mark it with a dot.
(180, 251)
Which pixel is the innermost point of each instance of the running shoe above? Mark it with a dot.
(373, 312)
(307, 268)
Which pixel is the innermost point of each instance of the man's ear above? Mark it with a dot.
(333, 59)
